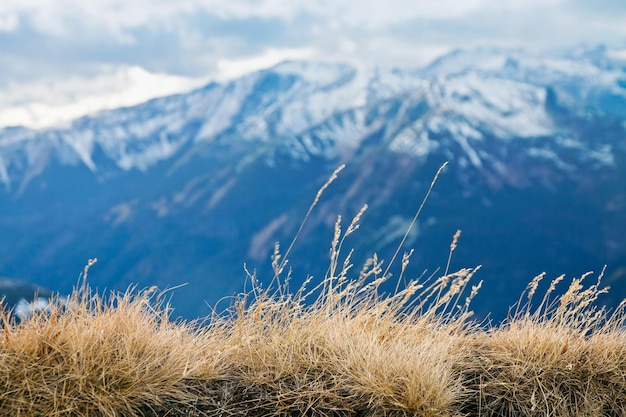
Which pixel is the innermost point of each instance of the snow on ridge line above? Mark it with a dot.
(321, 73)
(140, 136)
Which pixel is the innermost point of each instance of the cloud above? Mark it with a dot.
(190, 36)
(9, 22)
(232, 68)
(53, 102)
(600, 6)
(48, 42)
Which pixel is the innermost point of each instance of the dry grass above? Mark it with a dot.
(349, 351)
(338, 348)
(564, 358)
(94, 359)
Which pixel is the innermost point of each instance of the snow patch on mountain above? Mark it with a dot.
(321, 75)
(414, 140)
(506, 108)
(82, 143)
(548, 154)
(4, 173)
(222, 105)
(120, 213)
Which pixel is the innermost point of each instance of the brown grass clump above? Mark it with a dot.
(350, 352)
(84, 357)
(566, 358)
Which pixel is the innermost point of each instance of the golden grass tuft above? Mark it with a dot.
(88, 358)
(349, 351)
(564, 358)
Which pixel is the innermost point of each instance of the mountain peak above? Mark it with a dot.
(317, 73)
(317, 106)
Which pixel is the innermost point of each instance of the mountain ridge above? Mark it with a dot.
(126, 127)
(193, 185)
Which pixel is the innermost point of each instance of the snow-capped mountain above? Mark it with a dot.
(186, 188)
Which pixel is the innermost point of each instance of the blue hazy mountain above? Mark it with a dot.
(186, 188)
(22, 298)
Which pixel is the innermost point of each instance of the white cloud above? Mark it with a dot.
(232, 68)
(617, 54)
(119, 16)
(9, 22)
(226, 39)
(46, 104)
(374, 14)
(118, 20)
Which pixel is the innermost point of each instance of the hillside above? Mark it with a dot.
(186, 188)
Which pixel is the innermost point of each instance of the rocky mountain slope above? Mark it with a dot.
(185, 189)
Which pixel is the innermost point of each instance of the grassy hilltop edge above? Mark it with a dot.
(350, 352)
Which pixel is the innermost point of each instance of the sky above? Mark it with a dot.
(61, 59)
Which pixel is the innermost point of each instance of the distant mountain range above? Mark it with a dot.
(22, 298)
(186, 188)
